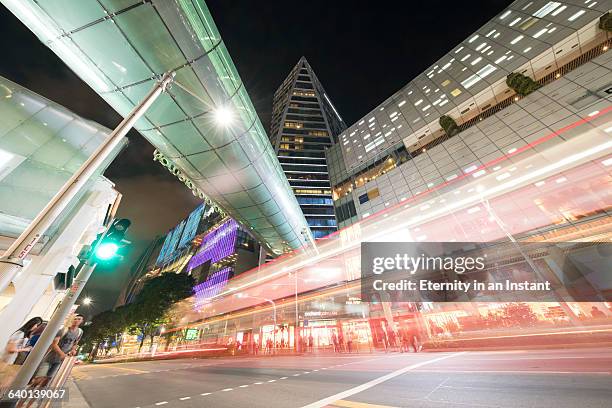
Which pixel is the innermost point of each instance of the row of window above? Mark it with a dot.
(312, 191)
(321, 222)
(300, 117)
(314, 201)
(346, 211)
(305, 93)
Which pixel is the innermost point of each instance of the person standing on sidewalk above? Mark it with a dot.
(14, 346)
(64, 345)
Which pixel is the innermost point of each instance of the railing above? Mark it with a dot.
(55, 384)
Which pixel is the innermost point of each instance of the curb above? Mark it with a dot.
(75, 397)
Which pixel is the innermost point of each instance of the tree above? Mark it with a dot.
(148, 312)
(449, 125)
(145, 316)
(521, 84)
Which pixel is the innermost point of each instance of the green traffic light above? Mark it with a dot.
(106, 250)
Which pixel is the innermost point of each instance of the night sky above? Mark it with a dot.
(362, 52)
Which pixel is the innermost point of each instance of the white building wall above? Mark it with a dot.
(34, 293)
(576, 96)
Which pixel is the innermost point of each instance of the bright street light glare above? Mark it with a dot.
(87, 301)
(223, 116)
(106, 251)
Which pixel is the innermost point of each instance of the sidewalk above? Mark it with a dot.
(75, 397)
(600, 336)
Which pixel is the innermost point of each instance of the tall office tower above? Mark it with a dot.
(304, 124)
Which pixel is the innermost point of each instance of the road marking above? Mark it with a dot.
(205, 394)
(227, 389)
(306, 372)
(184, 398)
(272, 381)
(243, 386)
(370, 384)
(354, 404)
(133, 370)
(514, 372)
(315, 370)
(161, 403)
(257, 383)
(296, 375)
(284, 378)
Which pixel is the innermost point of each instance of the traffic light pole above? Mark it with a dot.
(12, 260)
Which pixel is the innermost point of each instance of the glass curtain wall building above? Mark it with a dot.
(304, 124)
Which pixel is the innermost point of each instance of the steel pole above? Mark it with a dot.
(274, 331)
(28, 369)
(12, 260)
(296, 335)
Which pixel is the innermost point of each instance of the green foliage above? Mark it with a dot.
(147, 314)
(605, 22)
(449, 125)
(521, 84)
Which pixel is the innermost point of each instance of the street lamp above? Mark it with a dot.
(223, 116)
(244, 295)
(87, 301)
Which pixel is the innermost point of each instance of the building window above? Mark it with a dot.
(294, 125)
(299, 92)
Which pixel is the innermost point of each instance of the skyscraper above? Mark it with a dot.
(304, 124)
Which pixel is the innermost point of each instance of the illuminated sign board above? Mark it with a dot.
(191, 334)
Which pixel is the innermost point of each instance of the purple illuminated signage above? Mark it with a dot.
(217, 245)
(212, 286)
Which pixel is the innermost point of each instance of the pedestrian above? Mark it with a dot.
(413, 338)
(64, 344)
(33, 339)
(311, 343)
(335, 342)
(16, 344)
(349, 342)
(403, 340)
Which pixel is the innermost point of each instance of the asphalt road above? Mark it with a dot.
(537, 378)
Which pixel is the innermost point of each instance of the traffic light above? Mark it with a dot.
(113, 240)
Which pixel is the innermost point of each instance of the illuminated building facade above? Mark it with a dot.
(304, 124)
(463, 112)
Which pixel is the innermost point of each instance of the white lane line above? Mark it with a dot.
(244, 386)
(184, 398)
(257, 383)
(315, 370)
(284, 378)
(345, 394)
(306, 372)
(515, 372)
(296, 375)
(161, 403)
(272, 381)
(227, 389)
(205, 394)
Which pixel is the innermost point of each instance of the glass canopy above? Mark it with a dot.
(42, 144)
(121, 47)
